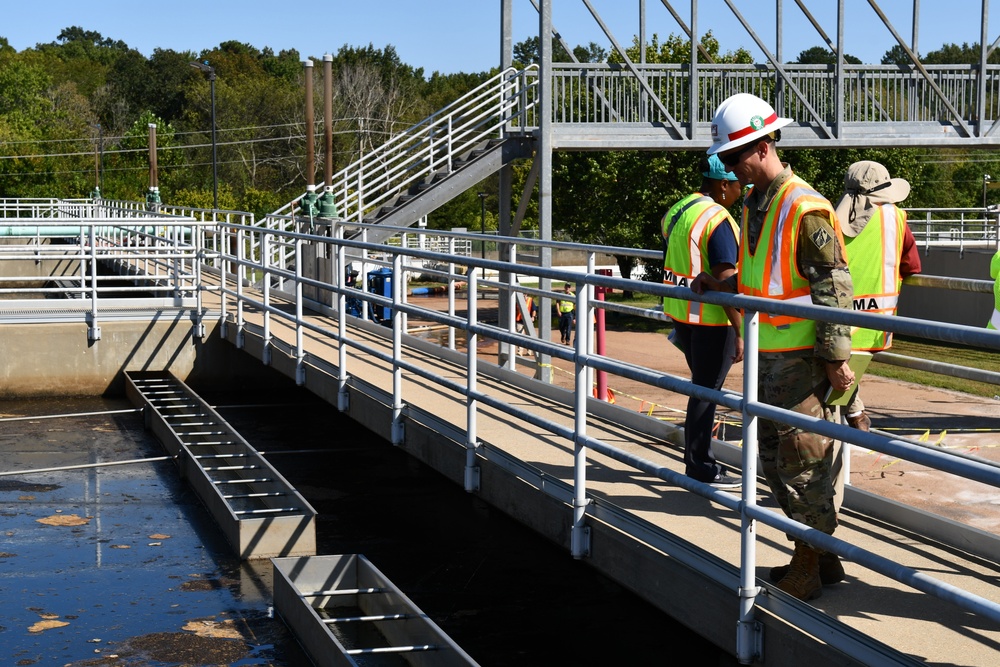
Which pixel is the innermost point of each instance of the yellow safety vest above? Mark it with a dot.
(994, 322)
(566, 306)
(772, 270)
(686, 229)
(873, 257)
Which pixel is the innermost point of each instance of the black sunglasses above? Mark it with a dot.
(733, 159)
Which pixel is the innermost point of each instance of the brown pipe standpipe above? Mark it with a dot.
(328, 120)
(310, 120)
(153, 180)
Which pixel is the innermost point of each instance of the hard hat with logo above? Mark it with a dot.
(740, 119)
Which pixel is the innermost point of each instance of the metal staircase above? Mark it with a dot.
(440, 157)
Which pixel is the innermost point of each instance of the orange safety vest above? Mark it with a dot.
(772, 272)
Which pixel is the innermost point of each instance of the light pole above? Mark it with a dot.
(986, 179)
(98, 163)
(482, 219)
(210, 71)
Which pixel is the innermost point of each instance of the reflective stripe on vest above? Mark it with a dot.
(873, 257)
(687, 228)
(772, 270)
(994, 322)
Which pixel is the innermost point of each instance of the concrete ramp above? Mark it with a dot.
(345, 612)
(259, 512)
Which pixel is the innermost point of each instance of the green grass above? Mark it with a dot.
(620, 322)
(956, 355)
(988, 360)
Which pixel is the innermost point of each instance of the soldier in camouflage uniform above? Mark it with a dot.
(799, 359)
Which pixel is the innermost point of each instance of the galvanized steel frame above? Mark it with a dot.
(236, 250)
(586, 363)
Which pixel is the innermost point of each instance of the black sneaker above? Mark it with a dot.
(724, 481)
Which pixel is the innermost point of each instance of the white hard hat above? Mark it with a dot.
(740, 119)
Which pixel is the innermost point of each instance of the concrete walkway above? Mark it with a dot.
(927, 629)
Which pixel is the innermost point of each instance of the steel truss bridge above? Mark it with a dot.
(601, 480)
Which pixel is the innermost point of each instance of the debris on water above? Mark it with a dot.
(210, 628)
(207, 584)
(65, 520)
(18, 485)
(48, 622)
(185, 648)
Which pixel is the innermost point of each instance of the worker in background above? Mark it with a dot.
(881, 251)
(699, 234)
(521, 327)
(994, 322)
(567, 314)
(791, 251)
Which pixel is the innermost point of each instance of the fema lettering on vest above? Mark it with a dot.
(671, 278)
(866, 303)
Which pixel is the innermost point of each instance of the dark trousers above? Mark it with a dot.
(709, 353)
(566, 326)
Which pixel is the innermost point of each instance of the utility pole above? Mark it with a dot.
(482, 220)
(210, 71)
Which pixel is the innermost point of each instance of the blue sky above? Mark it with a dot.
(464, 35)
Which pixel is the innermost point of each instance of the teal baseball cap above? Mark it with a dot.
(714, 169)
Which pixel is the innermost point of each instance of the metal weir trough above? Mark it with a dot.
(259, 512)
(345, 612)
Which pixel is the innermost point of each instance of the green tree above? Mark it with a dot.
(896, 56)
(953, 54)
(818, 55)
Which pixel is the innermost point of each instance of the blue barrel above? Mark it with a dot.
(380, 283)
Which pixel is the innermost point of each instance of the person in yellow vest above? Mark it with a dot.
(881, 251)
(520, 325)
(994, 322)
(791, 251)
(567, 314)
(700, 234)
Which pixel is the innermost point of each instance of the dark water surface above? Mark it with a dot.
(134, 571)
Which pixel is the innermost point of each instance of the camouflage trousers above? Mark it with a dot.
(796, 463)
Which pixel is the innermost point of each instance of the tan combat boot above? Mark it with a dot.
(802, 580)
(861, 421)
(831, 570)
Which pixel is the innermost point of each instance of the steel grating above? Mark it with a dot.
(259, 512)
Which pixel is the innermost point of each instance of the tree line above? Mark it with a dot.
(84, 98)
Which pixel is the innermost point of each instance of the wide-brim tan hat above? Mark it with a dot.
(866, 185)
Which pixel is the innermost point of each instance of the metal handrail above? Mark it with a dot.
(236, 257)
(587, 362)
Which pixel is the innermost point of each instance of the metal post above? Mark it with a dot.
(343, 397)
(300, 353)
(471, 374)
(265, 261)
(210, 71)
(100, 148)
(543, 156)
(580, 532)
(451, 292)
(94, 331)
(397, 434)
(215, 154)
(748, 634)
(482, 221)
